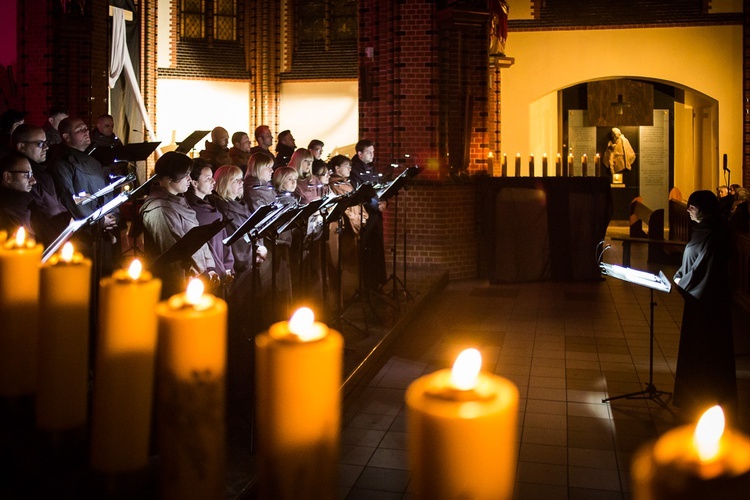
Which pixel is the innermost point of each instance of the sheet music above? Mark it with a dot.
(641, 278)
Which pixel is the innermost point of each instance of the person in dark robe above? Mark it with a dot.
(705, 373)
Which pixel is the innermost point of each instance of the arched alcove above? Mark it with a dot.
(673, 129)
(706, 76)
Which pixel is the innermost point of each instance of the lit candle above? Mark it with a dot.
(505, 165)
(299, 408)
(124, 370)
(558, 165)
(20, 258)
(191, 375)
(584, 165)
(518, 165)
(569, 172)
(694, 462)
(63, 375)
(462, 432)
(597, 165)
(490, 166)
(544, 165)
(532, 173)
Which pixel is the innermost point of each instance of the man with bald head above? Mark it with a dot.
(217, 150)
(103, 136)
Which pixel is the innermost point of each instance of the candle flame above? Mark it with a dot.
(66, 254)
(708, 433)
(134, 271)
(301, 324)
(518, 155)
(466, 369)
(20, 236)
(194, 291)
(490, 155)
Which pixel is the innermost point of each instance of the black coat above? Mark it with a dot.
(705, 373)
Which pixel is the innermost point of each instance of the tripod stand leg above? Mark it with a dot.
(650, 392)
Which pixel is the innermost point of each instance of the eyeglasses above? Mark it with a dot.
(26, 173)
(237, 180)
(39, 144)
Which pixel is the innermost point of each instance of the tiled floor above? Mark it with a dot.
(566, 346)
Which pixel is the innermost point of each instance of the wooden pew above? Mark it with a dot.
(659, 249)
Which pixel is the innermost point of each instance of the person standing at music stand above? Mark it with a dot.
(705, 373)
(363, 172)
(77, 176)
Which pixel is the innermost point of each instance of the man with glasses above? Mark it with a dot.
(50, 217)
(316, 148)
(15, 198)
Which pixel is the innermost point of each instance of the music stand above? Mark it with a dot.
(184, 248)
(88, 198)
(136, 151)
(250, 226)
(392, 190)
(190, 141)
(652, 282)
(75, 225)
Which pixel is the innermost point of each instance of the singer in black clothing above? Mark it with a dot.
(705, 373)
(373, 258)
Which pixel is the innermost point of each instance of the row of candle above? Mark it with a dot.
(49, 360)
(461, 422)
(561, 170)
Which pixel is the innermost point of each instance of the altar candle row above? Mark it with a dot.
(568, 171)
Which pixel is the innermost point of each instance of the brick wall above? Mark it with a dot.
(415, 72)
(63, 59)
(439, 219)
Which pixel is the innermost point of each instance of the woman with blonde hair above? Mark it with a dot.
(258, 190)
(302, 161)
(227, 198)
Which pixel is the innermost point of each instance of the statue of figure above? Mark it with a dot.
(619, 155)
(498, 26)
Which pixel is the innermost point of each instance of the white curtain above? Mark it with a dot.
(119, 61)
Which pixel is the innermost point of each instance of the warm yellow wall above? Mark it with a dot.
(188, 105)
(321, 110)
(707, 59)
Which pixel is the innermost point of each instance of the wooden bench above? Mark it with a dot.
(659, 249)
(640, 213)
(666, 246)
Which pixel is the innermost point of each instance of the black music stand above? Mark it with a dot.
(183, 249)
(190, 141)
(135, 151)
(335, 213)
(392, 191)
(364, 194)
(652, 282)
(251, 230)
(136, 224)
(76, 225)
